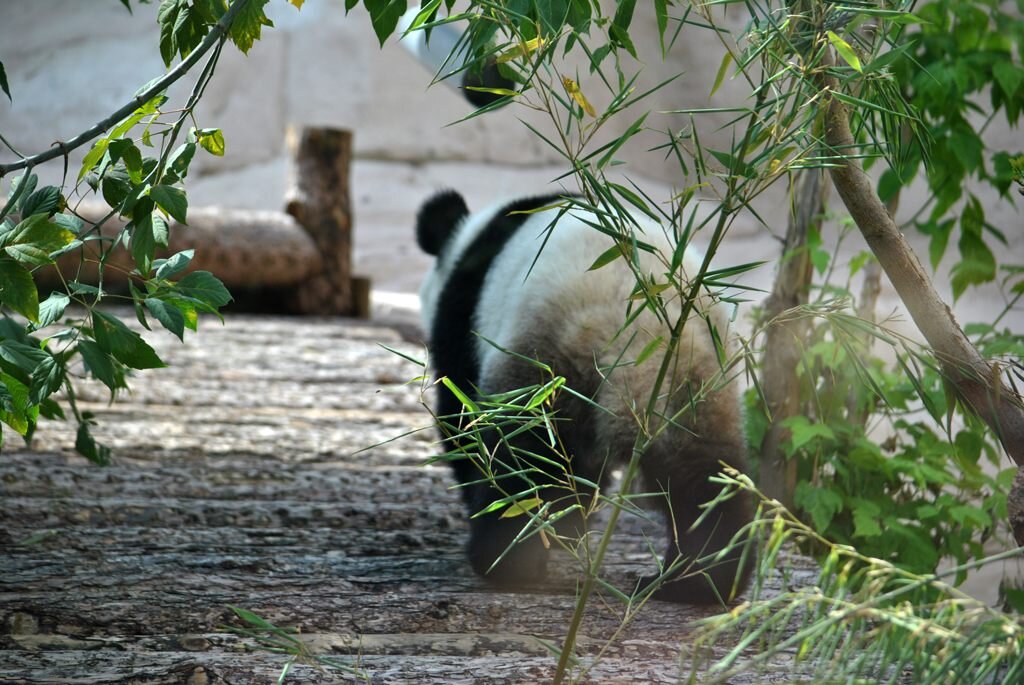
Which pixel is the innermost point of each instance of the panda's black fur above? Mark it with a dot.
(493, 290)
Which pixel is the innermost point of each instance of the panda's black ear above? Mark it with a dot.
(437, 220)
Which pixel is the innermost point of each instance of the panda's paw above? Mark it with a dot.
(494, 557)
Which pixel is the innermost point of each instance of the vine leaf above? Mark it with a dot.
(248, 25)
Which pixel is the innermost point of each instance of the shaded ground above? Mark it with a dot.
(239, 481)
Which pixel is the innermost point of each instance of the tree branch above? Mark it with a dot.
(217, 32)
(977, 382)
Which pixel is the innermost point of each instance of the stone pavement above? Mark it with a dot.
(242, 477)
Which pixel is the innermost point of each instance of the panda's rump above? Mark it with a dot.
(546, 304)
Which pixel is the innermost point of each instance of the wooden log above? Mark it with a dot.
(319, 201)
(304, 253)
(245, 249)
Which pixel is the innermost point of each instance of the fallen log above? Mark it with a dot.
(297, 262)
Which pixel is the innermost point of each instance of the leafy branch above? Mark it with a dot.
(45, 347)
(218, 32)
(976, 381)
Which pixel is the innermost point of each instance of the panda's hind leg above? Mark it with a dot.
(523, 458)
(696, 534)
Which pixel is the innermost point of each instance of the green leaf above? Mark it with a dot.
(211, 10)
(68, 222)
(967, 148)
(248, 24)
(167, 17)
(16, 411)
(888, 185)
(87, 446)
(802, 431)
(182, 28)
(18, 290)
(46, 379)
(939, 234)
(43, 201)
(648, 350)
(551, 16)
(633, 129)
(734, 165)
(3, 83)
(172, 200)
(180, 159)
(384, 15)
(205, 287)
(461, 396)
(212, 140)
(173, 265)
(522, 506)
(661, 15)
(607, 257)
(619, 30)
(124, 150)
(34, 239)
(123, 344)
(22, 356)
(161, 234)
(23, 187)
(143, 243)
(845, 51)
(52, 308)
(101, 365)
(118, 189)
(1009, 77)
(821, 504)
(977, 266)
(865, 523)
(168, 315)
(722, 69)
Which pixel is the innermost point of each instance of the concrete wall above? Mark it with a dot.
(71, 62)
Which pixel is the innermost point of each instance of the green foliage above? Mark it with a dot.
(881, 467)
(287, 641)
(860, 620)
(138, 167)
(879, 463)
(961, 53)
(185, 23)
(4, 86)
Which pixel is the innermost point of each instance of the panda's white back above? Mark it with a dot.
(539, 288)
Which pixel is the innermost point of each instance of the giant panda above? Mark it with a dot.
(514, 283)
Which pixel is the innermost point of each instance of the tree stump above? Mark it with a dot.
(319, 202)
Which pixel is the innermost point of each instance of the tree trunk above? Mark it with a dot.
(785, 340)
(978, 384)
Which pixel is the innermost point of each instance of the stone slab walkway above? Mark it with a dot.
(242, 478)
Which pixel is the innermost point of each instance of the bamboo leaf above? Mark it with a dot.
(573, 89)
(722, 69)
(845, 51)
